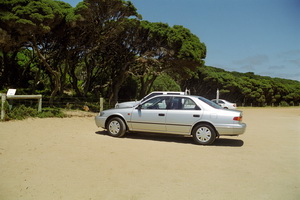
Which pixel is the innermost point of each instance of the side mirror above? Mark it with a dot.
(139, 107)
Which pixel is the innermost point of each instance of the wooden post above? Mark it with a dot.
(3, 99)
(40, 105)
(101, 104)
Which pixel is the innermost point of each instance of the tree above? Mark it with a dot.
(243, 88)
(33, 24)
(164, 49)
(102, 36)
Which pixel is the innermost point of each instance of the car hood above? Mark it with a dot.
(118, 111)
(128, 104)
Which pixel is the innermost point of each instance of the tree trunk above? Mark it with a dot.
(53, 73)
(146, 85)
(142, 92)
(4, 71)
(10, 76)
(88, 77)
(74, 81)
(116, 85)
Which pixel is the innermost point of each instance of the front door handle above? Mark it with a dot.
(161, 114)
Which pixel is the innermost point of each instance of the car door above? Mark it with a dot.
(151, 115)
(182, 115)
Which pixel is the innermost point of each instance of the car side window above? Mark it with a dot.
(182, 103)
(189, 105)
(157, 103)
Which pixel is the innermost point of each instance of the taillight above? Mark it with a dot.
(238, 118)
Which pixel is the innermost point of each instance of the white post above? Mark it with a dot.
(101, 104)
(3, 99)
(218, 93)
(40, 105)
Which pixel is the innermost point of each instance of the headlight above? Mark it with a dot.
(102, 113)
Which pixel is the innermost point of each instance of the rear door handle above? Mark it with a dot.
(196, 115)
(161, 114)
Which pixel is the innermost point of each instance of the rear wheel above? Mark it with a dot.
(204, 134)
(116, 127)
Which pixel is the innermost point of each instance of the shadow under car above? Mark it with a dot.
(162, 137)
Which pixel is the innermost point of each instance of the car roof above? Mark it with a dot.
(166, 92)
(176, 95)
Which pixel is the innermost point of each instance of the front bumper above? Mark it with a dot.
(100, 121)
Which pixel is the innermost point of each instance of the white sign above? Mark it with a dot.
(11, 92)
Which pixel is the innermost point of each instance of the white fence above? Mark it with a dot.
(4, 97)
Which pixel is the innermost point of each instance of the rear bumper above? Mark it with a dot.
(231, 130)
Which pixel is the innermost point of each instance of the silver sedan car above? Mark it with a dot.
(174, 114)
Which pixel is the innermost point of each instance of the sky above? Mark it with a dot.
(260, 36)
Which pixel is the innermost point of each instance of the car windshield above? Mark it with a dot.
(210, 103)
(151, 95)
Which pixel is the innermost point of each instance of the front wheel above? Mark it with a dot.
(116, 127)
(204, 134)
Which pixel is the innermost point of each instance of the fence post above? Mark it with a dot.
(40, 105)
(3, 99)
(101, 104)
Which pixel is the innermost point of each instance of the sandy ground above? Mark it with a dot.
(71, 158)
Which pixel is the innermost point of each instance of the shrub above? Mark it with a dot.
(20, 112)
(284, 104)
(51, 112)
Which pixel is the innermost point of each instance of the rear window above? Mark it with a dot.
(210, 103)
(183, 103)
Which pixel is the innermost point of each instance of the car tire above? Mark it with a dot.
(204, 134)
(116, 127)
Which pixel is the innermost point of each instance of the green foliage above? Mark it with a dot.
(190, 46)
(28, 17)
(51, 112)
(164, 49)
(165, 83)
(244, 88)
(284, 104)
(21, 112)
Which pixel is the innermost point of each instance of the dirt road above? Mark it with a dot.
(70, 158)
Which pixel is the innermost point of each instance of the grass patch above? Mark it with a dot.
(21, 112)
